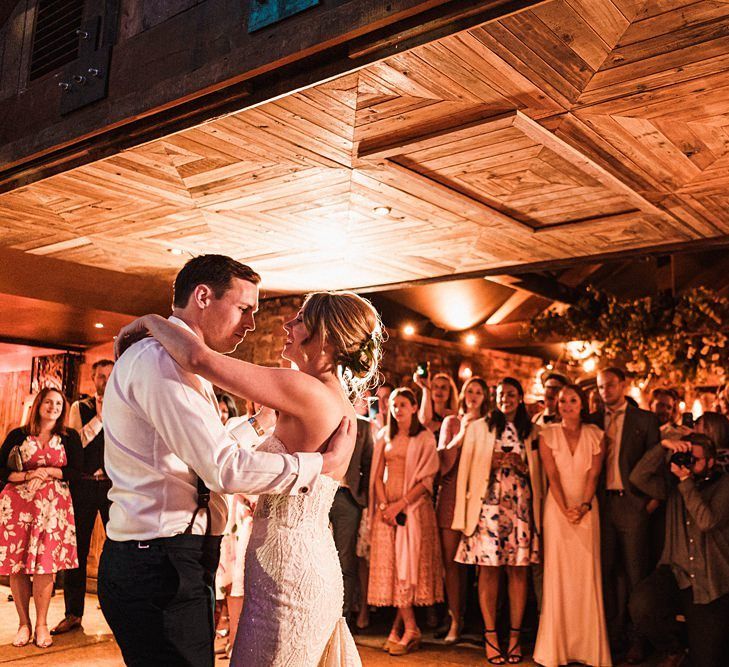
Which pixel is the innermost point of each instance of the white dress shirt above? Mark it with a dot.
(614, 421)
(162, 429)
(90, 430)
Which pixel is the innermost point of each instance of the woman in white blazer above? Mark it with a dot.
(498, 509)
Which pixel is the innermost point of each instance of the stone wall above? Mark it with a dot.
(401, 354)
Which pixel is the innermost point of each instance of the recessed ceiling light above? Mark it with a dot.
(99, 325)
(176, 251)
(408, 330)
(382, 210)
(471, 339)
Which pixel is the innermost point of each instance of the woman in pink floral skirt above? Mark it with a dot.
(37, 528)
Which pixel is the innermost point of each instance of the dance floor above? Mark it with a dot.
(94, 645)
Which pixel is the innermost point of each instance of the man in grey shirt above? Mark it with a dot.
(693, 574)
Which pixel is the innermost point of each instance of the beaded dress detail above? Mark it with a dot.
(292, 615)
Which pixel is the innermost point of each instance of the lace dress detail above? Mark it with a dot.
(292, 615)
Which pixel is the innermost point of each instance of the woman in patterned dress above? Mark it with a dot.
(498, 510)
(37, 528)
(405, 563)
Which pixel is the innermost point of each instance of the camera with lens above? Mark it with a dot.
(683, 459)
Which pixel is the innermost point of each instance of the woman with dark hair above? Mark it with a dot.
(716, 426)
(37, 529)
(473, 403)
(227, 406)
(498, 508)
(405, 564)
(572, 623)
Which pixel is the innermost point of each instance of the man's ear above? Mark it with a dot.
(202, 296)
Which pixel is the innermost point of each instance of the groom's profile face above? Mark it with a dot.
(226, 320)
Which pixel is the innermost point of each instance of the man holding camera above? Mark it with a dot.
(695, 553)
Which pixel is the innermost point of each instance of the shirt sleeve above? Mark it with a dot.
(175, 403)
(649, 474)
(87, 432)
(708, 513)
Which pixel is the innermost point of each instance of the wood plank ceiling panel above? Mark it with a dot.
(575, 128)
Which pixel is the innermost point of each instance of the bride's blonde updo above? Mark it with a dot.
(351, 325)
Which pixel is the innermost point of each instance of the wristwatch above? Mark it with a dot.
(256, 426)
(587, 506)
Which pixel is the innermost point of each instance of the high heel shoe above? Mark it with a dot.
(403, 648)
(499, 658)
(514, 655)
(390, 642)
(23, 638)
(42, 643)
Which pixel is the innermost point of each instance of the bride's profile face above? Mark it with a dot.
(296, 345)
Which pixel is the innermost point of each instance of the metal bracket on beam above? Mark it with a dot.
(86, 79)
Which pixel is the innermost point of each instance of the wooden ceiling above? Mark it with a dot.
(576, 128)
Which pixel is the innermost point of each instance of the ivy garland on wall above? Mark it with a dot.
(655, 336)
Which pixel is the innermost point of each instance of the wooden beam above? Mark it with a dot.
(695, 245)
(151, 73)
(456, 201)
(509, 306)
(560, 147)
(389, 146)
(75, 285)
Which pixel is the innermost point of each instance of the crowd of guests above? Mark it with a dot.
(616, 517)
(626, 549)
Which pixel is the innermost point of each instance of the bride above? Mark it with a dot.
(293, 584)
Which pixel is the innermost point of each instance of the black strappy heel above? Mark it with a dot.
(514, 655)
(497, 659)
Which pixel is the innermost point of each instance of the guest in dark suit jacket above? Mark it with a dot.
(625, 536)
(346, 512)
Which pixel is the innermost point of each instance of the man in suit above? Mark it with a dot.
(346, 512)
(89, 493)
(624, 510)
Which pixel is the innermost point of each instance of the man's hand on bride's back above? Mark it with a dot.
(130, 334)
(266, 418)
(340, 447)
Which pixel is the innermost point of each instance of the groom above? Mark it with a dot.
(169, 457)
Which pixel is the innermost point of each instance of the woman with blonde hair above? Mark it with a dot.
(37, 528)
(498, 510)
(473, 404)
(405, 563)
(438, 401)
(293, 580)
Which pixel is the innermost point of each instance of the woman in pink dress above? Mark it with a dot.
(473, 403)
(37, 528)
(405, 563)
(572, 623)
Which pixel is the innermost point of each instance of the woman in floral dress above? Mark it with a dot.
(498, 510)
(37, 528)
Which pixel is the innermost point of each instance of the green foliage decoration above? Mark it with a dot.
(657, 336)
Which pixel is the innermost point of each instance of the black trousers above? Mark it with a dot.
(625, 552)
(658, 600)
(89, 497)
(345, 516)
(158, 598)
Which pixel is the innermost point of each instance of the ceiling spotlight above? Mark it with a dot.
(99, 325)
(381, 210)
(550, 367)
(471, 339)
(408, 330)
(176, 251)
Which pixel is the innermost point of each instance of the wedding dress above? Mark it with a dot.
(292, 612)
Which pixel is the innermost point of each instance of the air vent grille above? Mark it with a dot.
(55, 41)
